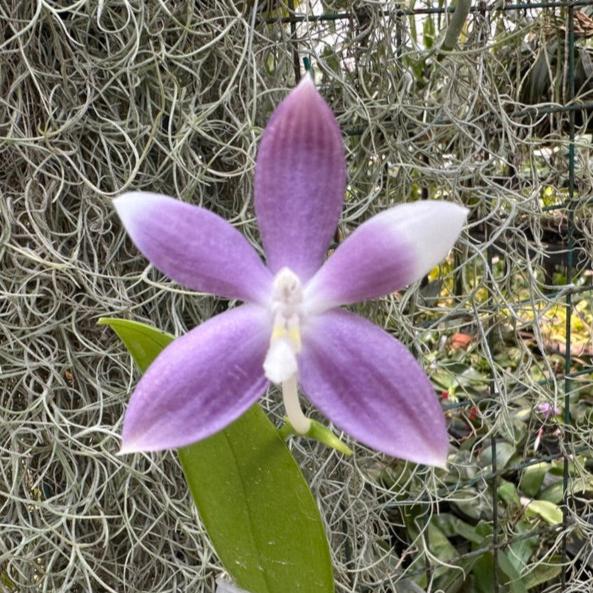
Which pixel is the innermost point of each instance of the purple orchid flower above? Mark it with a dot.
(291, 331)
(547, 410)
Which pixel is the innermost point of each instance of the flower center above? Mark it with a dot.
(280, 365)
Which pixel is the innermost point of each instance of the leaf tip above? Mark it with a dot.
(106, 321)
(126, 449)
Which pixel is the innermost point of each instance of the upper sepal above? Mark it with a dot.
(300, 180)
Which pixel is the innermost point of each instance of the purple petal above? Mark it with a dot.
(386, 253)
(300, 179)
(371, 387)
(200, 383)
(194, 246)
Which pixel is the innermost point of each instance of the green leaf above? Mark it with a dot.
(521, 551)
(439, 545)
(504, 453)
(472, 504)
(515, 583)
(508, 494)
(143, 342)
(250, 493)
(544, 572)
(451, 525)
(447, 578)
(483, 571)
(553, 493)
(484, 529)
(532, 478)
(408, 586)
(551, 513)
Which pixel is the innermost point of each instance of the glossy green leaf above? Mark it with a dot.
(250, 494)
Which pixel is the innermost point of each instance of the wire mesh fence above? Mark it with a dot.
(486, 104)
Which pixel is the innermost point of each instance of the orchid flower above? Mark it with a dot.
(291, 331)
(547, 410)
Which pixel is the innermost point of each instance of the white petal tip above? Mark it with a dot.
(440, 465)
(438, 460)
(124, 451)
(125, 200)
(129, 448)
(131, 204)
(434, 461)
(429, 227)
(457, 212)
(128, 206)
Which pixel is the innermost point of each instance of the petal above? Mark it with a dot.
(200, 383)
(386, 253)
(300, 179)
(194, 246)
(370, 386)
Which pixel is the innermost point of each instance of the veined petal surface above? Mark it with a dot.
(386, 253)
(194, 246)
(370, 386)
(200, 383)
(300, 180)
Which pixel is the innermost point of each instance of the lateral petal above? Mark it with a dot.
(370, 386)
(300, 180)
(194, 246)
(386, 253)
(200, 383)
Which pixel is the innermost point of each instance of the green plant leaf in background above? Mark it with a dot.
(544, 572)
(504, 453)
(515, 583)
(551, 513)
(532, 478)
(507, 492)
(250, 493)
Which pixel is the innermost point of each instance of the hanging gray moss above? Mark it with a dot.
(102, 97)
